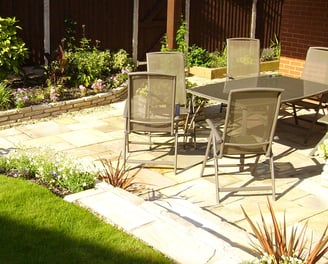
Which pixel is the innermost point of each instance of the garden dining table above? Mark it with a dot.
(294, 88)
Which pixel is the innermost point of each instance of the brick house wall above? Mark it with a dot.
(304, 24)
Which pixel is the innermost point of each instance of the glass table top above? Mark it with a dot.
(294, 89)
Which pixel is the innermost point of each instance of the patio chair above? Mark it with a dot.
(248, 131)
(243, 57)
(173, 63)
(150, 114)
(316, 70)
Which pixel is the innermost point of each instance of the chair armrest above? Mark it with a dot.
(215, 132)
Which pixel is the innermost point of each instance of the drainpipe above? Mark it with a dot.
(187, 12)
(253, 19)
(135, 31)
(46, 28)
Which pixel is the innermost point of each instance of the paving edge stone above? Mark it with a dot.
(176, 227)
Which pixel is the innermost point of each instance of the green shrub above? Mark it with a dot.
(198, 56)
(86, 64)
(218, 59)
(5, 97)
(12, 48)
(85, 67)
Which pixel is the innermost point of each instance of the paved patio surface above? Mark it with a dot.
(190, 226)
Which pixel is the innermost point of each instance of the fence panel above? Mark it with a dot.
(213, 21)
(111, 22)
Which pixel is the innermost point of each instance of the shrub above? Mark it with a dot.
(85, 64)
(5, 97)
(198, 56)
(218, 59)
(85, 67)
(12, 48)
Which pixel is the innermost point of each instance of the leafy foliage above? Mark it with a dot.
(86, 63)
(5, 97)
(273, 52)
(276, 247)
(198, 56)
(12, 48)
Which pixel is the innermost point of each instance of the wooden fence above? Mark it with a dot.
(111, 22)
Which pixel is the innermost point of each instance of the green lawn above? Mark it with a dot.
(38, 227)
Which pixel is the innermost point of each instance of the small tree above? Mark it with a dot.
(12, 48)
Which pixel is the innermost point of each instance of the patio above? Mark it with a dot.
(187, 198)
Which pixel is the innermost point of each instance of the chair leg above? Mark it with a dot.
(126, 147)
(314, 120)
(216, 173)
(242, 162)
(295, 114)
(206, 155)
(255, 165)
(176, 152)
(273, 178)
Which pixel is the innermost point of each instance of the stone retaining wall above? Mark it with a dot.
(17, 116)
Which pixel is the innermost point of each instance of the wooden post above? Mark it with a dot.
(173, 21)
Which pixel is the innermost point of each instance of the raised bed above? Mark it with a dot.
(17, 116)
(214, 73)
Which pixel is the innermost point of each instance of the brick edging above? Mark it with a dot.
(17, 116)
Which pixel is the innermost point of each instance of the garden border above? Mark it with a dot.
(15, 117)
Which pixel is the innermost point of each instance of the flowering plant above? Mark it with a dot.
(83, 90)
(97, 86)
(120, 78)
(53, 94)
(22, 96)
(322, 150)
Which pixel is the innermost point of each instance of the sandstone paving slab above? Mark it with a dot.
(196, 216)
(41, 129)
(84, 137)
(18, 139)
(6, 145)
(65, 120)
(199, 191)
(171, 240)
(191, 235)
(87, 123)
(151, 180)
(80, 195)
(10, 131)
(53, 142)
(117, 211)
(315, 185)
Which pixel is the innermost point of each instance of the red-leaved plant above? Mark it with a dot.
(116, 175)
(281, 248)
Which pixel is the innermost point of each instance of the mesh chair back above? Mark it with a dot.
(250, 121)
(243, 57)
(316, 65)
(151, 103)
(171, 63)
